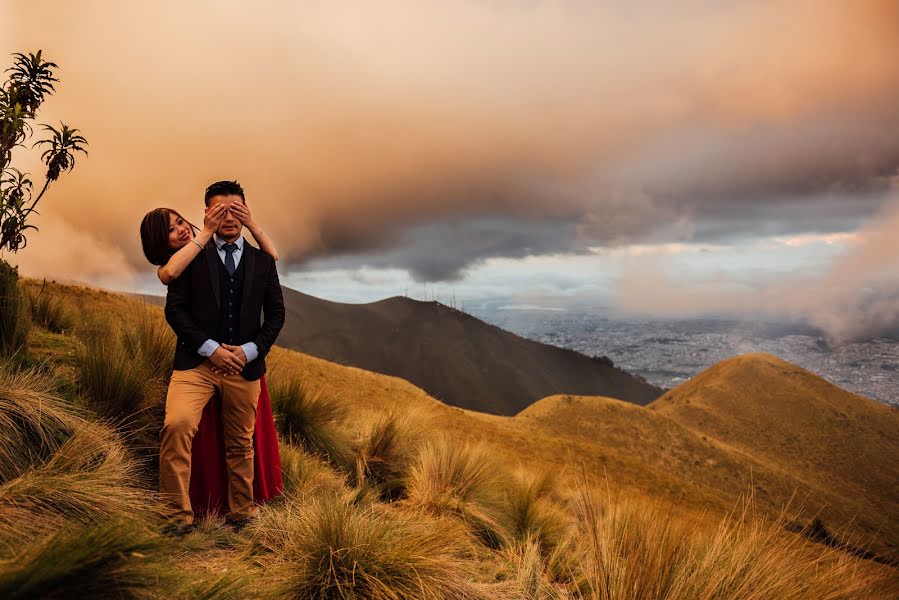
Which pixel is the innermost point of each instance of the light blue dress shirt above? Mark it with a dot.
(210, 346)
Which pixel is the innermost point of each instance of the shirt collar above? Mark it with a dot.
(219, 242)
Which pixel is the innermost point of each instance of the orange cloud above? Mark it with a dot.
(348, 121)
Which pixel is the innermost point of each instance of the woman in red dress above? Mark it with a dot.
(171, 242)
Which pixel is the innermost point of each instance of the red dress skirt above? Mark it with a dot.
(209, 473)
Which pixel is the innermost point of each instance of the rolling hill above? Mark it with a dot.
(454, 356)
(842, 446)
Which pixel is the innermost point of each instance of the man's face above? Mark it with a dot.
(230, 228)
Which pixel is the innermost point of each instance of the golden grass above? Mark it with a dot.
(386, 451)
(115, 559)
(50, 310)
(112, 380)
(310, 419)
(465, 489)
(637, 549)
(840, 450)
(34, 423)
(464, 480)
(329, 548)
(536, 515)
(304, 474)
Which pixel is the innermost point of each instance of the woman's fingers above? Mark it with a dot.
(241, 210)
(217, 212)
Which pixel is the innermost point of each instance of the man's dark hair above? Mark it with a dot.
(224, 188)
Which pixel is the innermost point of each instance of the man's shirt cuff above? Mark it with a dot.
(208, 347)
(251, 351)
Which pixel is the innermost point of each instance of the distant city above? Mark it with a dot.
(667, 352)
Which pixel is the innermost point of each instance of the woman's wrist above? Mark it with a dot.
(203, 237)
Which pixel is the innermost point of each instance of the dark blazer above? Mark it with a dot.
(192, 307)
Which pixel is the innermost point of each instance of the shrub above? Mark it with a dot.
(461, 479)
(310, 420)
(334, 549)
(15, 320)
(50, 311)
(386, 453)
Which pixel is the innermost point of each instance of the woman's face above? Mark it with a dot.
(179, 231)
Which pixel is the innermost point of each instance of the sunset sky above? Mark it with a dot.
(649, 157)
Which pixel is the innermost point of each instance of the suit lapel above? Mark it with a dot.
(212, 259)
(249, 255)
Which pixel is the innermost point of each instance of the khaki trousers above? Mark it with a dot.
(188, 393)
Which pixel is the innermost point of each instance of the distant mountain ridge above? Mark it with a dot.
(452, 355)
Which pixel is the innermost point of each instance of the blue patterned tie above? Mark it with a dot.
(229, 258)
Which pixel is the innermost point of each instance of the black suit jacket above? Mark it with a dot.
(192, 307)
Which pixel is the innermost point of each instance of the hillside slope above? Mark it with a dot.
(455, 357)
(842, 446)
(626, 447)
(623, 445)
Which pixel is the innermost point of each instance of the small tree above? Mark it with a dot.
(29, 82)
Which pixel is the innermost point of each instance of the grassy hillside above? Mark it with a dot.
(392, 494)
(842, 448)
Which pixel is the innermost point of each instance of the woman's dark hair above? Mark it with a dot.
(224, 188)
(154, 235)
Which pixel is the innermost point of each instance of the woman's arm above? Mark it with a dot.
(171, 270)
(243, 215)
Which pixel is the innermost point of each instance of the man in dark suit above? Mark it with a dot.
(216, 308)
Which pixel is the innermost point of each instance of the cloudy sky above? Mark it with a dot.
(662, 158)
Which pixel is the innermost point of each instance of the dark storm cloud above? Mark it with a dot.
(442, 251)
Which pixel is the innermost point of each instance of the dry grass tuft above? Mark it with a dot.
(306, 475)
(33, 422)
(331, 548)
(310, 420)
(535, 514)
(113, 381)
(386, 453)
(149, 339)
(116, 559)
(462, 479)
